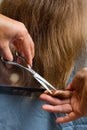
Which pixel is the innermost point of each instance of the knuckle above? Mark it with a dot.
(84, 70)
(81, 77)
(21, 24)
(59, 109)
(82, 74)
(23, 28)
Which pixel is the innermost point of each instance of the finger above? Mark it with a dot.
(32, 47)
(19, 46)
(69, 117)
(66, 108)
(62, 94)
(6, 52)
(28, 48)
(16, 44)
(24, 49)
(52, 100)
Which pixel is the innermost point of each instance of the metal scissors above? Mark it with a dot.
(38, 77)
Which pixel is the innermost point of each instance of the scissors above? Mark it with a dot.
(38, 77)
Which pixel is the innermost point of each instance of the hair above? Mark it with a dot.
(57, 29)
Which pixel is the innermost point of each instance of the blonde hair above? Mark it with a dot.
(57, 28)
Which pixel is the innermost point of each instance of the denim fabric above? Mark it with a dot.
(24, 113)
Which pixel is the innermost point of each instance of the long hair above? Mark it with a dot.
(57, 29)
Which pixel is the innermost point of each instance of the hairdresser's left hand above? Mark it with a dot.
(56, 105)
(75, 106)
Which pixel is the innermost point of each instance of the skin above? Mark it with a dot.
(75, 106)
(14, 32)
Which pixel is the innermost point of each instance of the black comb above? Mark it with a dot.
(18, 90)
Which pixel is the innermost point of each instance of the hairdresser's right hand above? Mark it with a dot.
(15, 32)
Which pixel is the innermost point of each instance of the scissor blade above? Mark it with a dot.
(44, 85)
(44, 81)
(41, 79)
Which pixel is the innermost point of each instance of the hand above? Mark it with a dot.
(15, 32)
(75, 106)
